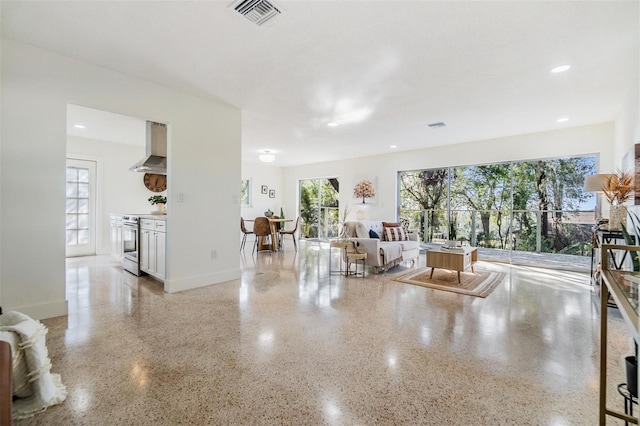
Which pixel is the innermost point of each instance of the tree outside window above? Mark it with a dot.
(245, 192)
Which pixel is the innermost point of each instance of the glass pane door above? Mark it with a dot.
(80, 208)
(319, 207)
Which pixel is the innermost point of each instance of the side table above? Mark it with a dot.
(356, 257)
(343, 246)
(629, 400)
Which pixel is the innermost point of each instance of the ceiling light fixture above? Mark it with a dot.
(332, 124)
(266, 157)
(393, 146)
(79, 126)
(561, 68)
(562, 119)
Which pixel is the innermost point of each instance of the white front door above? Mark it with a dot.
(81, 218)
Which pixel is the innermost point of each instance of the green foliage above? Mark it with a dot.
(425, 190)
(157, 199)
(244, 191)
(521, 205)
(318, 206)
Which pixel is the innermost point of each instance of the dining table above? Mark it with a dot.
(275, 230)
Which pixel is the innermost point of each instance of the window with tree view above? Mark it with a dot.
(535, 206)
(245, 192)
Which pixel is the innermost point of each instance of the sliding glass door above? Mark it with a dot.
(319, 207)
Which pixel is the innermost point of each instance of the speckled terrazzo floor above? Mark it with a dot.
(288, 344)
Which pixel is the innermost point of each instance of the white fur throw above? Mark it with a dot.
(30, 348)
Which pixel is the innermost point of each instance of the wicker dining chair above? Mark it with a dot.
(245, 232)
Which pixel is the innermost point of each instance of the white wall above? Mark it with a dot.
(204, 156)
(595, 139)
(271, 176)
(118, 190)
(628, 120)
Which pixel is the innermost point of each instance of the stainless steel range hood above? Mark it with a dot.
(156, 159)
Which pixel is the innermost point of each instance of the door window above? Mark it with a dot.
(80, 215)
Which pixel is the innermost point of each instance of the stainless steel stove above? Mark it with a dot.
(131, 243)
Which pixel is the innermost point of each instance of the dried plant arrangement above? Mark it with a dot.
(619, 187)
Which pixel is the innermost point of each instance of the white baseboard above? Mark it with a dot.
(42, 311)
(182, 284)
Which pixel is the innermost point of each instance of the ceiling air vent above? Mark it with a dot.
(437, 125)
(257, 11)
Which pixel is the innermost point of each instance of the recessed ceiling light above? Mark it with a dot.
(79, 126)
(561, 68)
(332, 124)
(393, 146)
(562, 119)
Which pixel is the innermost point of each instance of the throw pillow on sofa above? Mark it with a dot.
(373, 234)
(396, 234)
(386, 225)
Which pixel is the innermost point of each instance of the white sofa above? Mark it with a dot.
(381, 254)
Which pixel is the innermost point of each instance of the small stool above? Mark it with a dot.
(356, 257)
(629, 400)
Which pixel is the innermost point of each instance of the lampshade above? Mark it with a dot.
(266, 157)
(594, 183)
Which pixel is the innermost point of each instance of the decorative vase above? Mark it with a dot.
(615, 217)
(343, 234)
(161, 208)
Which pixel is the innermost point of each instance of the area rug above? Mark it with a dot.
(478, 283)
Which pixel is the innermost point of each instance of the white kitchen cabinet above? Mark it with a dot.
(161, 254)
(115, 231)
(145, 238)
(153, 247)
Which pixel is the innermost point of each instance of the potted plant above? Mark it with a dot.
(268, 213)
(618, 188)
(159, 201)
(631, 364)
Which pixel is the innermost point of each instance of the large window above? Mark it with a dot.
(536, 206)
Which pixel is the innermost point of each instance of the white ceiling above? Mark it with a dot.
(382, 69)
(107, 126)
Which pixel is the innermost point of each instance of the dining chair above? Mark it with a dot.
(291, 232)
(245, 232)
(261, 229)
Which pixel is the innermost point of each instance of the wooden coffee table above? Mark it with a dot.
(452, 259)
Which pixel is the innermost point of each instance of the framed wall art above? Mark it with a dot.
(264, 189)
(272, 193)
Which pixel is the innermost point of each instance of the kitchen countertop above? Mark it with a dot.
(153, 216)
(142, 216)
